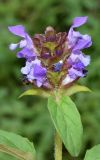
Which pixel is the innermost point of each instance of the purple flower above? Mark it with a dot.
(77, 41)
(57, 66)
(53, 52)
(35, 72)
(75, 58)
(28, 50)
(78, 62)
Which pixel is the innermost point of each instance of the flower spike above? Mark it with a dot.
(53, 60)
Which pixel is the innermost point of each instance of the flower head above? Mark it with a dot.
(53, 59)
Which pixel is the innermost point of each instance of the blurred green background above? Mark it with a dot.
(29, 116)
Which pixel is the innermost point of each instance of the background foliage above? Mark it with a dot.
(29, 116)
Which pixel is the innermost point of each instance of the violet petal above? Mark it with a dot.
(78, 21)
(18, 30)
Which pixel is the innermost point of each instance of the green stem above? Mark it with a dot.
(58, 147)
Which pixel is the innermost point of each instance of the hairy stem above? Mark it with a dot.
(58, 147)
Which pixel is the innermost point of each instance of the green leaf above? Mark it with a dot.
(45, 93)
(74, 89)
(16, 145)
(67, 121)
(93, 154)
(4, 156)
(35, 91)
